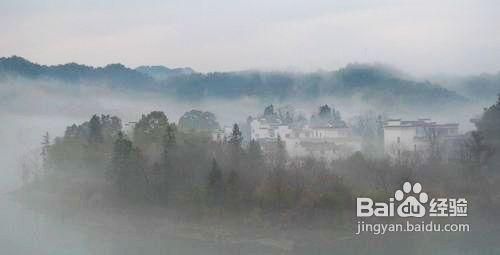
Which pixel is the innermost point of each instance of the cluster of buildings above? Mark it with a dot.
(401, 137)
(329, 141)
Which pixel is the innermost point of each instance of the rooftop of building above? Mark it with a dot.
(422, 122)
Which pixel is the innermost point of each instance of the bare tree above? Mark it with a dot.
(433, 138)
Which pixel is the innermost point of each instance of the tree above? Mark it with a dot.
(232, 186)
(167, 161)
(236, 136)
(169, 142)
(110, 127)
(95, 130)
(278, 187)
(215, 185)
(254, 166)
(370, 128)
(198, 121)
(275, 188)
(148, 135)
(269, 111)
(279, 154)
(327, 117)
(45, 152)
(475, 160)
(477, 152)
(489, 124)
(235, 150)
(72, 132)
(489, 129)
(119, 172)
(150, 129)
(127, 168)
(432, 136)
(325, 112)
(254, 151)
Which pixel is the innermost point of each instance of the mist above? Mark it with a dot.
(31, 107)
(249, 127)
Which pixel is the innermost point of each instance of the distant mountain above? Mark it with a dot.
(484, 86)
(376, 84)
(162, 72)
(116, 75)
(371, 83)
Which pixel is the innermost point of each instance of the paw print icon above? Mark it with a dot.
(411, 206)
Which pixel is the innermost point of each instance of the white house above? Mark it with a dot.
(261, 129)
(321, 142)
(416, 135)
(222, 133)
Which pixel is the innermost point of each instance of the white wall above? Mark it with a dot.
(259, 130)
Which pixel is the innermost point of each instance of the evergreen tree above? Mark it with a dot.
(235, 150)
(236, 136)
(95, 130)
(215, 186)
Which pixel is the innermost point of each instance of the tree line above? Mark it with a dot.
(157, 163)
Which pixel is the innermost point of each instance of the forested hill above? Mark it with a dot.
(370, 83)
(484, 86)
(113, 74)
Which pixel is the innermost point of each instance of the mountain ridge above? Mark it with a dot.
(373, 82)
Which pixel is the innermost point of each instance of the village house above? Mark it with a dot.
(327, 142)
(423, 137)
(222, 133)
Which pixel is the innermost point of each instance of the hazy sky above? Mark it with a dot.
(422, 37)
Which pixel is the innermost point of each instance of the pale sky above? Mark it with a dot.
(421, 37)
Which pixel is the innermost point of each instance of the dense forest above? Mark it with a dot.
(159, 163)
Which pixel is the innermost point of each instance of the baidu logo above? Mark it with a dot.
(411, 201)
(411, 206)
